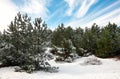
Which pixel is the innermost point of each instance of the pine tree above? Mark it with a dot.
(108, 42)
(88, 40)
(58, 35)
(24, 44)
(77, 39)
(62, 37)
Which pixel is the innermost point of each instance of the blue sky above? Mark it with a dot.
(75, 13)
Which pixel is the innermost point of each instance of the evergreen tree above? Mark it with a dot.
(24, 43)
(95, 34)
(58, 35)
(88, 40)
(108, 41)
(77, 40)
(62, 37)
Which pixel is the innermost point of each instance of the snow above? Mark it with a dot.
(109, 69)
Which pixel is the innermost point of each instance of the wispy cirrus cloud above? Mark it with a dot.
(98, 12)
(82, 7)
(72, 5)
(71, 12)
(112, 16)
(107, 14)
(86, 4)
(36, 7)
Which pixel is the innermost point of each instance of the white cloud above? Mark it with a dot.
(36, 7)
(72, 5)
(7, 12)
(96, 17)
(97, 12)
(86, 4)
(113, 16)
(82, 5)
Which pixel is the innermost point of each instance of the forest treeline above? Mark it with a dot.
(23, 43)
(102, 42)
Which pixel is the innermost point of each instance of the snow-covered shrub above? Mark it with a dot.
(92, 61)
(61, 56)
(54, 51)
(80, 51)
(74, 56)
(49, 56)
(35, 63)
(59, 59)
(69, 60)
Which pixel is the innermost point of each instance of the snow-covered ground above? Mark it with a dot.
(109, 69)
